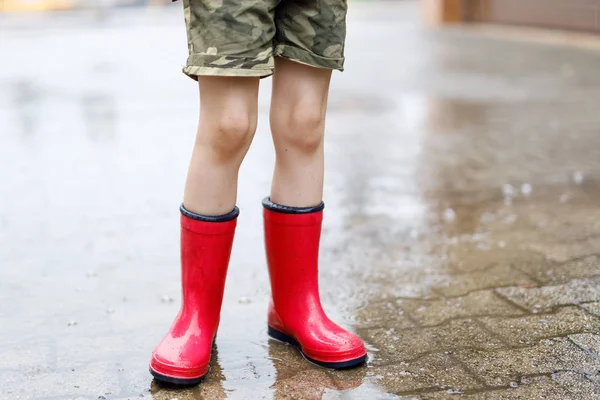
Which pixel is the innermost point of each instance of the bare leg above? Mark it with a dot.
(228, 118)
(298, 106)
(292, 233)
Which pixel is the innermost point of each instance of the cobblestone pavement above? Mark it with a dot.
(462, 237)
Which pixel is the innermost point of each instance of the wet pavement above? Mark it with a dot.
(462, 228)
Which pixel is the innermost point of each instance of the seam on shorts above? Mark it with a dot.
(306, 57)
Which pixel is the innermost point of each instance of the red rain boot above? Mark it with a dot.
(295, 314)
(183, 356)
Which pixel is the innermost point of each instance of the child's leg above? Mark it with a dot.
(227, 123)
(298, 106)
(228, 118)
(293, 216)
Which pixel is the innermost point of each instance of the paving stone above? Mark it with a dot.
(286, 360)
(383, 314)
(210, 388)
(594, 378)
(588, 342)
(592, 308)
(470, 258)
(573, 221)
(410, 343)
(496, 276)
(412, 278)
(432, 371)
(542, 388)
(561, 251)
(555, 273)
(571, 357)
(530, 328)
(500, 367)
(479, 303)
(577, 384)
(308, 384)
(352, 378)
(478, 252)
(544, 298)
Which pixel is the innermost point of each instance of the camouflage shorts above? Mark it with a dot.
(241, 37)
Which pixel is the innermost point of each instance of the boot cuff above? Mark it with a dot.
(209, 218)
(269, 205)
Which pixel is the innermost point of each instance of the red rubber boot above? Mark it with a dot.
(183, 356)
(295, 314)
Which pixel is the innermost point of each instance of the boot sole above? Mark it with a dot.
(282, 337)
(176, 381)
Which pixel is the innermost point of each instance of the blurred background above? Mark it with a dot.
(462, 228)
(54, 5)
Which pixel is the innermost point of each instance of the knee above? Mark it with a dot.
(301, 128)
(232, 133)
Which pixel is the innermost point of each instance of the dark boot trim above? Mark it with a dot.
(208, 218)
(269, 205)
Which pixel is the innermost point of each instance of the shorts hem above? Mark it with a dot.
(305, 57)
(195, 71)
(200, 65)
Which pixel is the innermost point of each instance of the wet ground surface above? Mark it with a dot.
(462, 229)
